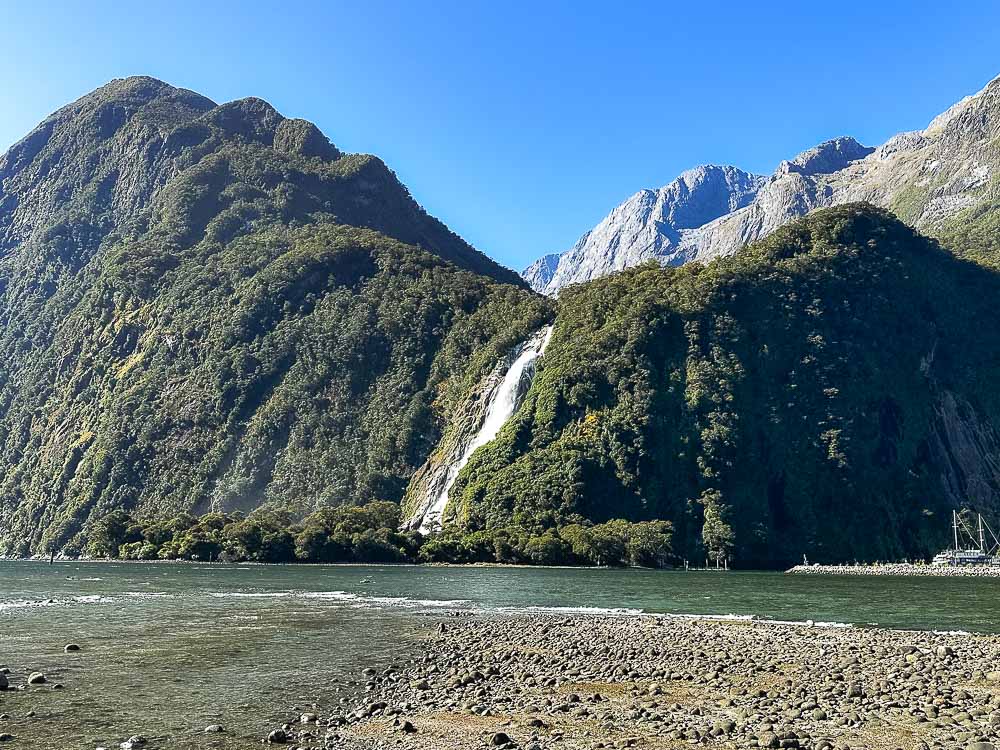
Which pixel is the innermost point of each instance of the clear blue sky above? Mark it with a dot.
(521, 126)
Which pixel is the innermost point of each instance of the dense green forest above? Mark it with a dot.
(367, 534)
(829, 391)
(220, 311)
(220, 336)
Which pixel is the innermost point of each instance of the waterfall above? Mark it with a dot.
(504, 400)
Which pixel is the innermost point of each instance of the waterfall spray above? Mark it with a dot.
(504, 401)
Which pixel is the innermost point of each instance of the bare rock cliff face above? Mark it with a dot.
(936, 180)
(651, 224)
(965, 449)
(540, 273)
(928, 178)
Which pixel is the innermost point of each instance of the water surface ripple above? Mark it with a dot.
(169, 649)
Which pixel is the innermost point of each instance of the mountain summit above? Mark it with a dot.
(211, 307)
(939, 180)
(116, 152)
(650, 224)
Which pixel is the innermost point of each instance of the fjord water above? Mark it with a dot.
(168, 649)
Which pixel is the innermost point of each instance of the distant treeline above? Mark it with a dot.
(369, 534)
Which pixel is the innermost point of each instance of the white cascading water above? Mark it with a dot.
(505, 401)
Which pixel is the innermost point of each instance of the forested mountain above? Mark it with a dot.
(829, 391)
(211, 307)
(212, 310)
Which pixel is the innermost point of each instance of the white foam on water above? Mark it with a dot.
(719, 618)
(755, 618)
(92, 599)
(249, 595)
(19, 604)
(362, 600)
(344, 597)
(617, 611)
(334, 595)
(149, 595)
(810, 623)
(24, 604)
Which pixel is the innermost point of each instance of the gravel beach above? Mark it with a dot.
(544, 681)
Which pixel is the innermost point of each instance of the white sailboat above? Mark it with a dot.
(971, 554)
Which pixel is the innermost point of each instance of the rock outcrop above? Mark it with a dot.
(650, 225)
(937, 180)
(539, 274)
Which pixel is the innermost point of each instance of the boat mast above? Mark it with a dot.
(954, 525)
(982, 540)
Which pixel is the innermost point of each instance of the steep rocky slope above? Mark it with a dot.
(539, 274)
(211, 307)
(943, 180)
(649, 225)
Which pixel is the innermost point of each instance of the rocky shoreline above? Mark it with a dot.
(587, 682)
(899, 569)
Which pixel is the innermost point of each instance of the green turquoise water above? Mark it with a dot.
(169, 649)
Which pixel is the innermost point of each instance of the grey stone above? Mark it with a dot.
(277, 737)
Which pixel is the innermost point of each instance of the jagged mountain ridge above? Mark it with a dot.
(211, 307)
(939, 180)
(539, 274)
(110, 153)
(650, 224)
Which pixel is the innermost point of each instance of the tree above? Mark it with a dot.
(716, 533)
(106, 535)
(581, 542)
(609, 540)
(648, 544)
(547, 549)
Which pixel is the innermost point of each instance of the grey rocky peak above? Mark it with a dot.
(930, 179)
(540, 273)
(934, 180)
(827, 157)
(649, 225)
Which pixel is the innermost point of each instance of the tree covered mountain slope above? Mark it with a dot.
(211, 307)
(830, 391)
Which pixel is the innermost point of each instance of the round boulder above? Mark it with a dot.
(277, 737)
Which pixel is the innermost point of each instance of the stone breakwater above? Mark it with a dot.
(545, 682)
(899, 569)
